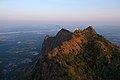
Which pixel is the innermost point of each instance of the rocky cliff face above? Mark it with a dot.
(78, 55)
(51, 42)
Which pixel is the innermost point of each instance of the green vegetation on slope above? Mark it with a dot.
(86, 56)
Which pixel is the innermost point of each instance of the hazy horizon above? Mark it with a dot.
(35, 12)
(56, 36)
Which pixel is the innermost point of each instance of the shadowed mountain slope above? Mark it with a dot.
(78, 55)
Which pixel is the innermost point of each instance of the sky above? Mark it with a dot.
(60, 11)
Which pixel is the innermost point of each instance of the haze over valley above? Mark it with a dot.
(35, 35)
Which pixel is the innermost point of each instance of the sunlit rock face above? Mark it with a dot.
(78, 55)
(51, 42)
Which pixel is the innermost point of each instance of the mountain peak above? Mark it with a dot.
(86, 56)
(63, 31)
(52, 42)
(91, 29)
(77, 30)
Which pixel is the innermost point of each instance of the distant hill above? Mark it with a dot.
(78, 55)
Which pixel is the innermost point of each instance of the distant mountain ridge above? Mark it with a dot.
(78, 55)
